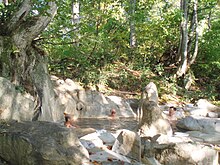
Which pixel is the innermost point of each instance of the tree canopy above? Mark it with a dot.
(126, 44)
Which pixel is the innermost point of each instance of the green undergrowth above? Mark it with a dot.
(126, 81)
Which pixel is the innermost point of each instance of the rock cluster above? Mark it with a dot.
(69, 97)
(160, 145)
(199, 125)
(40, 142)
(155, 141)
(48, 143)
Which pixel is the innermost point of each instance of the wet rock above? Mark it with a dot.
(134, 104)
(40, 143)
(198, 123)
(211, 138)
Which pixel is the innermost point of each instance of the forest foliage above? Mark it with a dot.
(97, 49)
(124, 45)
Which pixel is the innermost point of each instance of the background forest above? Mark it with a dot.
(123, 45)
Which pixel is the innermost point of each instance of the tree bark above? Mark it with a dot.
(188, 41)
(132, 24)
(21, 61)
(76, 20)
(196, 42)
(184, 40)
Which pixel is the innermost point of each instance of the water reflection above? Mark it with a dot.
(108, 124)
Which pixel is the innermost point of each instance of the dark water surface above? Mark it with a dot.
(108, 124)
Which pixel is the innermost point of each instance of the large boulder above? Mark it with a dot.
(17, 104)
(202, 129)
(128, 144)
(152, 122)
(198, 123)
(40, 142)
(85, 103)
(210, 138)
(14, 103)
(203, 108)
(180, 153)
(203, 103)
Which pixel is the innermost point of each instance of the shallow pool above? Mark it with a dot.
(108, 124)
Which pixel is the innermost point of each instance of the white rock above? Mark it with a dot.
(14, 104)
(125, 109)
(128, 144)
(197, 111)
(203, 103)
(91, 140)
(151, 90)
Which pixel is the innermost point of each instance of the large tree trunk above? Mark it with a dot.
(188, 48)
(21, 61)
(196, 31)
(189, 39)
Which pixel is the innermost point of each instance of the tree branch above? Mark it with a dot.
(19, 15)
(38, 24)
(42, 22)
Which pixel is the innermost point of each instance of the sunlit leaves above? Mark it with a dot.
(102, 34)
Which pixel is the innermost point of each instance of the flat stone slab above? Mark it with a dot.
(212, 138)
(198, 123)
(108, 155)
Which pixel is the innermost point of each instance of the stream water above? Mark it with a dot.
(108, 124)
